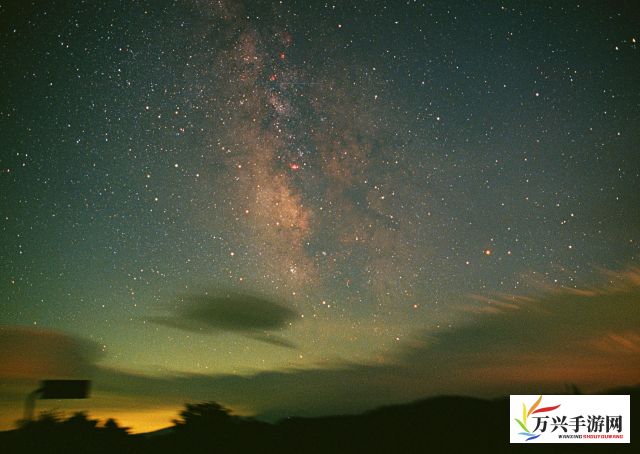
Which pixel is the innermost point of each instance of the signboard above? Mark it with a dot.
(64, 389)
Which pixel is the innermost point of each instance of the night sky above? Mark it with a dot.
(305, 208)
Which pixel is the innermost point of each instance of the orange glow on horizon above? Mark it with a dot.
(139, 421)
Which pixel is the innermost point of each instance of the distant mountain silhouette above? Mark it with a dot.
(444, 423)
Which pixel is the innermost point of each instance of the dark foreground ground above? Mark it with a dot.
(449, 424)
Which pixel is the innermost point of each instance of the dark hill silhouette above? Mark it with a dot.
(445, 423)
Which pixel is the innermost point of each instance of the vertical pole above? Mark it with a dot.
(29, 404)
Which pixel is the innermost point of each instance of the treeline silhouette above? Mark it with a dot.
(447, 423)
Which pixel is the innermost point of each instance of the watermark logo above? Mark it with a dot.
(532, 410)
(570, 419)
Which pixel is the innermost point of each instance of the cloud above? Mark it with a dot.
(556, 319)
(537, 343)
(253, 316)
(29, 353)
(588, 336)
(526, 345)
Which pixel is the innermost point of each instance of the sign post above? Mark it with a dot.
(56, 389)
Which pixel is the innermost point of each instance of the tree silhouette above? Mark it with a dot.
(429, 425)
(79, 421)
(46, 420)
(206, 415)
(112, 428)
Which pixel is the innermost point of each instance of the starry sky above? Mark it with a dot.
(301, 207)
